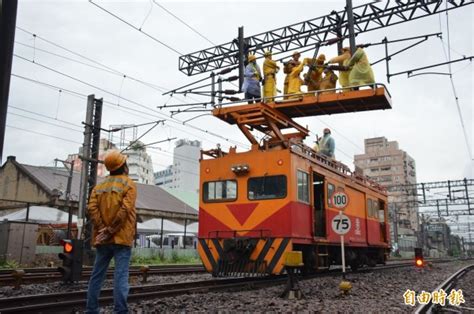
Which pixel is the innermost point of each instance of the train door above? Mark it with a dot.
(318, 201)
(383, 224)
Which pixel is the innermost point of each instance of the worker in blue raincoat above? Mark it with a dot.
(252, 79)
(327, 144)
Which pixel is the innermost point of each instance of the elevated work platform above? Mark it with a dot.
(322, 103)
(270, 118)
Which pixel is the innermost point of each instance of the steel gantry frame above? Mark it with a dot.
(367, 17)
(446, 205)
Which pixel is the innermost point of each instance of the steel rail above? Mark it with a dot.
(72, 300)
(42, 275)
(446, 285)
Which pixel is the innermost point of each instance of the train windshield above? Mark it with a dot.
(267, 187)
(220, 191)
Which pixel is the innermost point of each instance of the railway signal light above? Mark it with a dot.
(419, 257)
(71, 269)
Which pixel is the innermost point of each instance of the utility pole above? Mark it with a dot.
(8, 10)
(393, 210)
(89, 157)
(350, 25)
(68, 194)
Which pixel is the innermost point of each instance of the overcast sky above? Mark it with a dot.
(424, 119)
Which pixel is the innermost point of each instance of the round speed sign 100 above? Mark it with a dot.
(340, 200)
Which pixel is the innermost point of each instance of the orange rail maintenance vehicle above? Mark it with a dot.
(282, 196)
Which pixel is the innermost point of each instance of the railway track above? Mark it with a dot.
(42, 275)
(70, 301)
(447, 286)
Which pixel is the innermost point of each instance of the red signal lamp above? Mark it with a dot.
(419, 257)
(67, 247)
(419, 262)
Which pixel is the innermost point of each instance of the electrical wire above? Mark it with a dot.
(128, 110)
(43, 134)
(45, 122)
(456, 98)
(136, 28)
(183, 22)
(44, 116)
(100, 66)
(166, 117)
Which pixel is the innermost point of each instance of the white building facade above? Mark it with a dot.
(183, 174)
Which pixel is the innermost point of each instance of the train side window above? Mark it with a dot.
(369, 207)
(381, 211)
(331, 190)
(303, 183)
(375, 207)
(220, 191)
(267, 187)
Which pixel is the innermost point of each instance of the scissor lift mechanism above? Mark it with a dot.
(273, 117)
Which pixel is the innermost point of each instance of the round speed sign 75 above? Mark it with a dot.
(340, 200)
(341, 224)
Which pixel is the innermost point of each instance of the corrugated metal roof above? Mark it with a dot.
(149, 197)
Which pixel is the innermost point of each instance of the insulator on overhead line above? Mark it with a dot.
(232, 78)
(233, 98)
(230, 92)
(225, 71)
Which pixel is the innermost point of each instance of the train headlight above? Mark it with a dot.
(240, 169)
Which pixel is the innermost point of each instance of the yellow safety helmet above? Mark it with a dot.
(251, 57)
(114, 160)
(267, 53)
(321, 57)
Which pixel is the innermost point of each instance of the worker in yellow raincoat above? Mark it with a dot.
(270, 69)
(315, 74)
(361, 72)
(288, 67)
(343, 60)
(294, 79)
(328, 82)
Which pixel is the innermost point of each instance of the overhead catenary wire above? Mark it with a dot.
(183, 22)
(136, 28)
(168, 118)
(43, 134)
(45, 122)
(45, 116)
(98, 65)
(456, 98)
(113, 71)
(177, 156)
(131, 111)
(159, 150)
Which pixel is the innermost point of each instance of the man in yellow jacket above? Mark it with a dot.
(113, 214)
(270, 69)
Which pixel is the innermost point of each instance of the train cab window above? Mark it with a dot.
(220, 191)
(267, 187)
(331, 189)
(303, 183)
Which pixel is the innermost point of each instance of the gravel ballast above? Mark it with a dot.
(374, 292)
